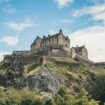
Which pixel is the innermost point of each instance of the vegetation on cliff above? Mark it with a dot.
(27, 97)
(52, 84)
(98, 89)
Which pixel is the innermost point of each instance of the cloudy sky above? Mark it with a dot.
(82, 20)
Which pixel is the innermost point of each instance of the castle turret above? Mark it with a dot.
(80, 51)
(60, 31)
(36, 44)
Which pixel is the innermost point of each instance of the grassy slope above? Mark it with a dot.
(75, 79)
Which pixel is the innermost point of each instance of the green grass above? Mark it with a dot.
(51, 65)
(32, 67)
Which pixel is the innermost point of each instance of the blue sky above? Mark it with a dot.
(82, 20)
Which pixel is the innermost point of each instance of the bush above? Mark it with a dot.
(64, 97)
(30, 98)
(9, 97)
(98, 90)
(32, 67)
(26, 97)
(13, 97)
(19, 97)
(82, 98)
(3, 97)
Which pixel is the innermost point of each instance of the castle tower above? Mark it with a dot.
(63, 40)
(36, 44)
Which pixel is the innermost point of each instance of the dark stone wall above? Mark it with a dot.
(24, 60)
(99, 66)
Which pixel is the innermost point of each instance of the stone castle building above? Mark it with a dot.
(57, 45)
(50, 41)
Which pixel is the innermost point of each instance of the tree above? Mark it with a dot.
(3, 97)
(98, 91)
(13, 97)
(65, 97)
(30, 98)
(82, 98)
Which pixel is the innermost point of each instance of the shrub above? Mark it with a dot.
(98, 90)
(13, 97)
(64, 97)
(29, 98)
(32, 67)
(3, 97)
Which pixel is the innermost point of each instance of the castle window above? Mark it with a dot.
(66, 45)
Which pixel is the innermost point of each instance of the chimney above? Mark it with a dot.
(44, 37)
(60, 31)
(76, 46)
(48, 35)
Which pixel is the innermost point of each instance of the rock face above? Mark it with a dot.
(13, 76)
(49, 77)
(45, 80)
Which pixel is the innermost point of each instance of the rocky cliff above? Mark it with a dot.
(49, 77)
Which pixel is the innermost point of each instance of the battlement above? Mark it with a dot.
(100, 63)
(20, 52)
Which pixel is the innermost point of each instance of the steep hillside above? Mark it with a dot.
(45, 81)
(48, 77)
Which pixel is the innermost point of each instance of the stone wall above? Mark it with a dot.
(99, 66)
(83, 60)
(23, 59)
(54, 51)
(20, 52)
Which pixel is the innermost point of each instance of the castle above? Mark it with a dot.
(57, 45)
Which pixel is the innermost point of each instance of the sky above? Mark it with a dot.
(82, 20)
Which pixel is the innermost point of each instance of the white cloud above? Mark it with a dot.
(64, 21)
(97, 2)
(62, 3)
(97, 12)
(9, 40)
(2, 53)
(93, 38)
(21, 26)
(8, 9)
(78, 13)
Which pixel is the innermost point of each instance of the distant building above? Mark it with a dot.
(79, 51)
